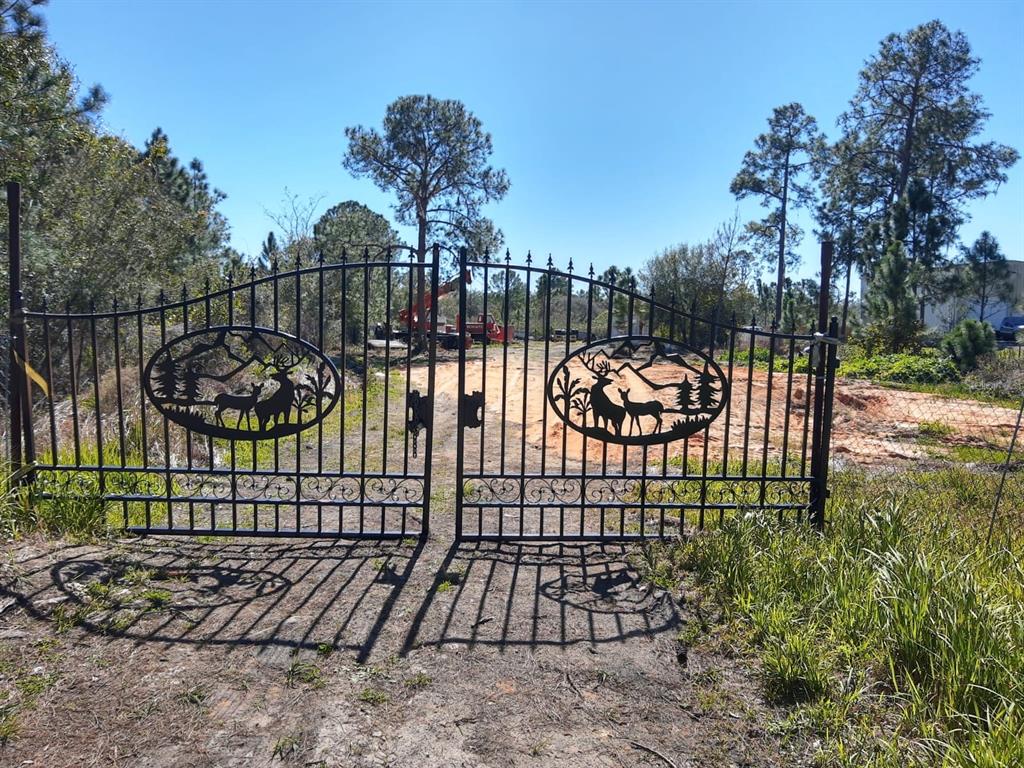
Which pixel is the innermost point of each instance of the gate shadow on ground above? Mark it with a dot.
(529, 595)
(289, 596)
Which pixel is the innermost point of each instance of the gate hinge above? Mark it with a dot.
(472, 409)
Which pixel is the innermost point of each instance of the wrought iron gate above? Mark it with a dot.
(302, 403)
(613, 415)
(289, 404)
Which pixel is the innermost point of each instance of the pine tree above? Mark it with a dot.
(890, 303)
(707, 395)
(167, 378)
(268, 252)
(986, 275)
(684, 397)
(190, 387)
(780, 171)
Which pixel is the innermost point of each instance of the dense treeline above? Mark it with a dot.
(101, 218)
(892, 191)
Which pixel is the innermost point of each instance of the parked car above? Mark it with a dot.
(1007, 330)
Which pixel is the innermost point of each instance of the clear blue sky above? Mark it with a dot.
(620, 124)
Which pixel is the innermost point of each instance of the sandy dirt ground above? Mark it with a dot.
(332, 654)
(873, 426)
(170, 654)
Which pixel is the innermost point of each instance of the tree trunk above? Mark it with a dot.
(905, 150)
(782, 245)
(421, 312)
(846, 298)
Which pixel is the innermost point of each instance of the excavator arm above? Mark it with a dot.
(407, 318)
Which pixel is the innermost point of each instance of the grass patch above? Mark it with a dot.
(418, 681)
(324, 650)
(157, 598)
(195, 696)
(897, 638)
(374, 696)
(304, 673)
(934, 429)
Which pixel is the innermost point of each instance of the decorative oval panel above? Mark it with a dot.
(241, 383)
(638, 390)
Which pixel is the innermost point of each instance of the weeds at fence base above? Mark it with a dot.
(897, 638)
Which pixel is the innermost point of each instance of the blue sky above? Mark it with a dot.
(620, 124)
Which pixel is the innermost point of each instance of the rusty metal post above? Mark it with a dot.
(824, 373)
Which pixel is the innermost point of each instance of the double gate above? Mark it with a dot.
(345, 397)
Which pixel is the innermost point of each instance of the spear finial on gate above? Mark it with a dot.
(320, 257)
(551, 263)
(508, 256)
(344, 254)
(570, 264)
(590, 272)
(529, 258)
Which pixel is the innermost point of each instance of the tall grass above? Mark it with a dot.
(898, 636)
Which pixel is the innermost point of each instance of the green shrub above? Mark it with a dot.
(968, 342)
(928, 367)
(780, 360)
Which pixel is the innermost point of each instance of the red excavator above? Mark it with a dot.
(484, 329)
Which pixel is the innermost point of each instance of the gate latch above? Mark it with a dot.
(472, 409)
(417, 416)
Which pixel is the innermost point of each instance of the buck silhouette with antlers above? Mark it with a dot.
(606, 411)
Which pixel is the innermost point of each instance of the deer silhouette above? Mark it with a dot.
(279, 405)
(604, 409)
(638, 409)
(242, 403)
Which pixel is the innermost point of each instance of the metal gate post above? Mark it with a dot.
(15, 322)
(460, 463)
(428, 463)
(824, 352)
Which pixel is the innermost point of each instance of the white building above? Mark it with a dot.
(945, 315)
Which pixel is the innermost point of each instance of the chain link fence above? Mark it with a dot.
(937, 435)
